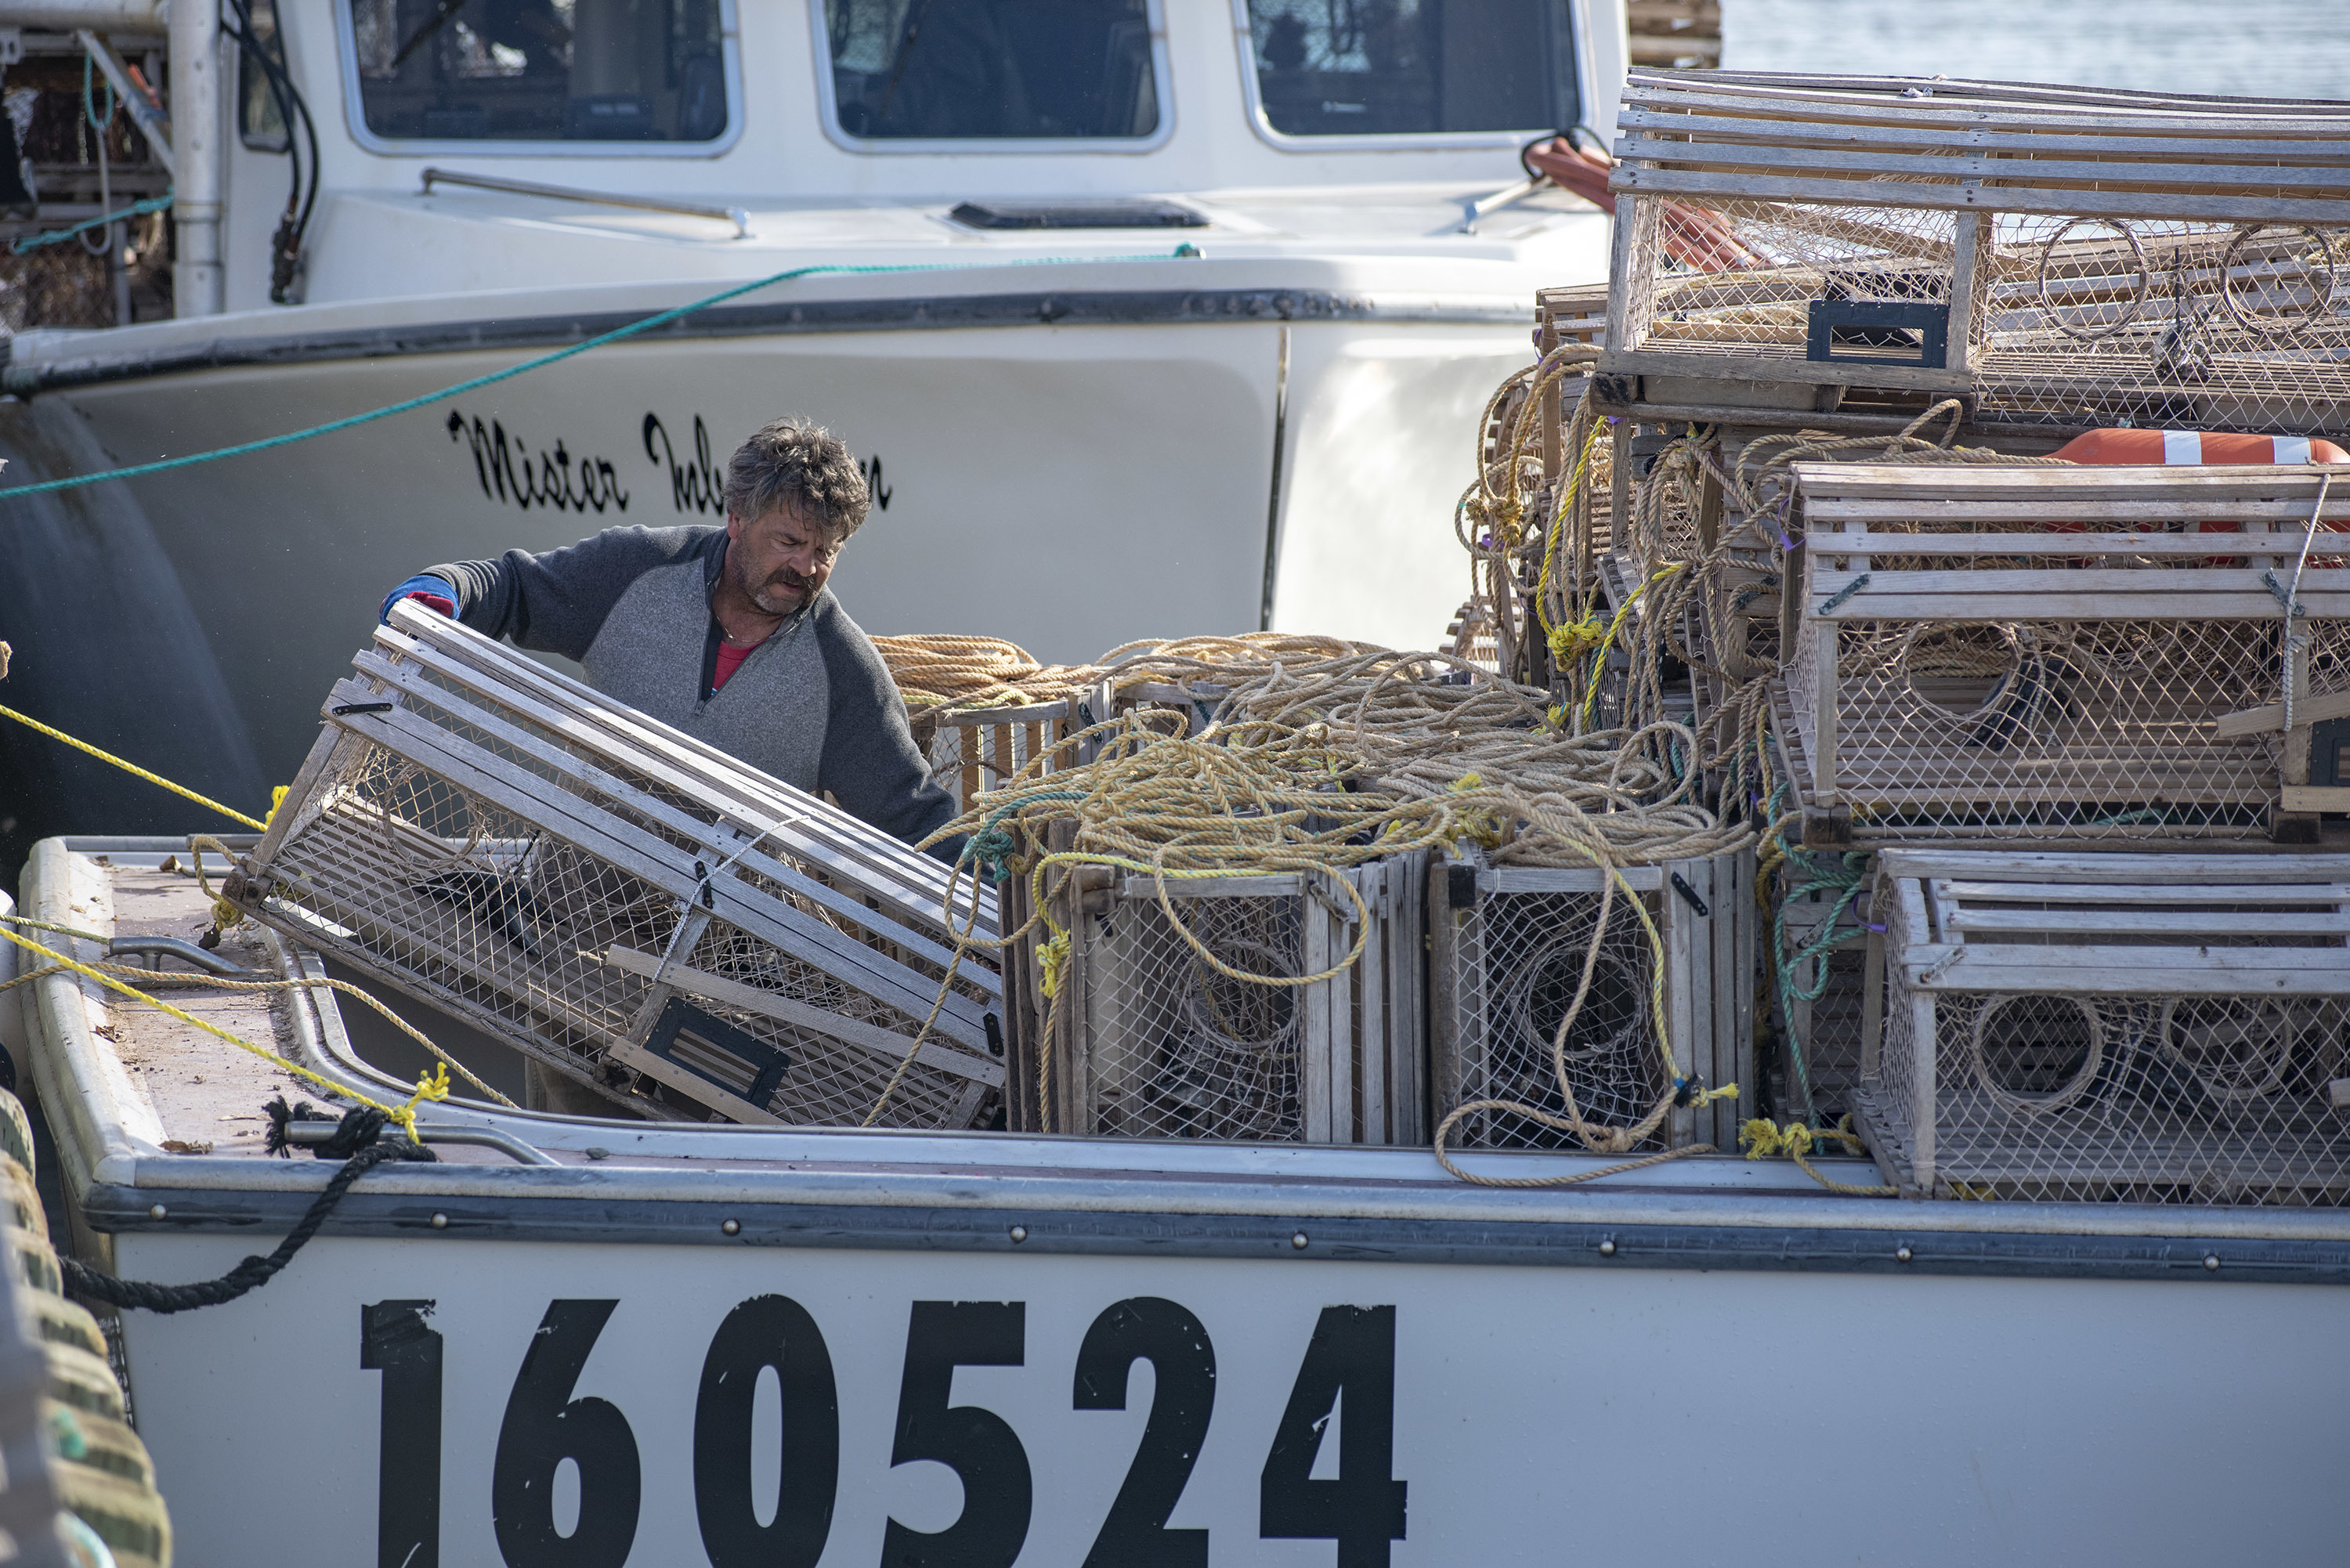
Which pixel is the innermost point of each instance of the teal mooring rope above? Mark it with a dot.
(136, 209)
(661, 319)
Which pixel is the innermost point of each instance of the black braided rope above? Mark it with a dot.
(254, 1272)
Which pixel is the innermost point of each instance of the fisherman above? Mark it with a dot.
(730, 634)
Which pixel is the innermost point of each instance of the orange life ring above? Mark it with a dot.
(2149, 448)
(2139, 448)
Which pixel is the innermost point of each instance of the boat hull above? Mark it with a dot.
(1069, 487)
(1711, 1347)
(1946, 1421)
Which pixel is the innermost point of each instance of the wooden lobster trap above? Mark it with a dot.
(620, 902)
(2113, 1028)
(1157, 1032)
(2090, 653)
(974, 750)
(1508, 950)
(2055, 256)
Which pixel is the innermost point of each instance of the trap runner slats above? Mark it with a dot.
(506, 844)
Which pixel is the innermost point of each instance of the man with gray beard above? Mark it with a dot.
(729, 634)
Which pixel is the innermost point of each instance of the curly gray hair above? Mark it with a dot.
(793, 462)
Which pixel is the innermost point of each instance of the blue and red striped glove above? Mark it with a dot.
(435, 593)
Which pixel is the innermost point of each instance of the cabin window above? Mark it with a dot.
(1413, 67)
(540, 70)
(1010, 70)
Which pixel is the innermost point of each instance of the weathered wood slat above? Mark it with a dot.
(1711, 129)
(2123, 868)
(1973, 196)
(2093, 180)
(2170, 893)
(1914, 481)
(871, 1038)
(2215, 922)
(1889, 542)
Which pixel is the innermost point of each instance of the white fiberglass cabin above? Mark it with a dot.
(1160, 316)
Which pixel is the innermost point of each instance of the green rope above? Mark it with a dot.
(993, 846)
(89, 108)
(136, 209)
(1846, 880)
(661, 319)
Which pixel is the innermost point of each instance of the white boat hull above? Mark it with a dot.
(1713, 1415)
(1069, 487)
(1710, 1359)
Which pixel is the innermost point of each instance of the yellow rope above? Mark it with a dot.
(1567, 642)
(1761, 1139)
(434, 1087)
(206, 801)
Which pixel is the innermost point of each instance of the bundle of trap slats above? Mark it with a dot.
(622, 903)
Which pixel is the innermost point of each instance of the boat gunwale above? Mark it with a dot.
(914, 313)
(958, 1201)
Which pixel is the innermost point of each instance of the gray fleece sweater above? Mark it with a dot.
(813, 705)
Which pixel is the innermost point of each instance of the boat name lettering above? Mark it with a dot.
(694, 484)
(1347, 1377)
(697, 485)
(508, 471)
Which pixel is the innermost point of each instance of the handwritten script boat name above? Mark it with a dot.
(509, 472)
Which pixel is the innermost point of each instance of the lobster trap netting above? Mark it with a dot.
(2090, 728)
(1287, 1008)
(557, 875)
(1171, 1046)
(1739, 278)
(2111, 1099)
(1510, 968)
(2123, 321)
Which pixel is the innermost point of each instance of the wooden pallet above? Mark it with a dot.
(619, 901)
(2155, 958)
(1481, 919)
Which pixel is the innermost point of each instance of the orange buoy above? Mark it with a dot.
(2220, 447)
(2217, 448)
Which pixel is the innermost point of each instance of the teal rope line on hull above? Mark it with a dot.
(662, 319)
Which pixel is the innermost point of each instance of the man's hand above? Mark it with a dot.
(434, 593)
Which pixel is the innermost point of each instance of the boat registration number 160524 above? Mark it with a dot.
(1345, 1368)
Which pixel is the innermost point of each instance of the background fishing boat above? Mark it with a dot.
(1166, 303)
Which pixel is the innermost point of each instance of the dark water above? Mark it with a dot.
(2262, 48)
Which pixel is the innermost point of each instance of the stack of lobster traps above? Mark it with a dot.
(632, 910)
(1902, 439)
(1844, 248)
(2108, 661)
